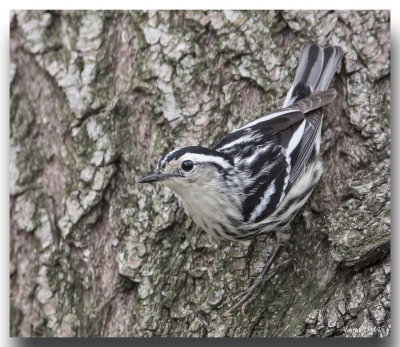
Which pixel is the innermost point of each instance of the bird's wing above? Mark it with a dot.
(273, 150)
(307, 147)
(258, 131)
(261, 129)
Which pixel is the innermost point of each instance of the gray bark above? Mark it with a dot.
(98, 97)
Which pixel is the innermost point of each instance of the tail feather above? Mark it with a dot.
(317, 66)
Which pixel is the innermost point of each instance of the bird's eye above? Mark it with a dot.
(187, 165)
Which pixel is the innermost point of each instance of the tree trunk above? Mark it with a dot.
(97, 97)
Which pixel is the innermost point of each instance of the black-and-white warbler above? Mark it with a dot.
(256, 179)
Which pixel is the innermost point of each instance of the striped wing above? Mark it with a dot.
(273, 150)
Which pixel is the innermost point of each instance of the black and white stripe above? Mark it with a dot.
(197, 152)
(275, 149)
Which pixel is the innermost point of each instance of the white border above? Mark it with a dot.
(171, 4)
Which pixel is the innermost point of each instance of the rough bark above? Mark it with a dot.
(97, 97)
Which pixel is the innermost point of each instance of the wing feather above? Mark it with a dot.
(259, 131)
(273, 150)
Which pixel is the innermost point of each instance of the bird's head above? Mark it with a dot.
(192, 168)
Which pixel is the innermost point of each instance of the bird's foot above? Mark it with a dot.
(251, 293)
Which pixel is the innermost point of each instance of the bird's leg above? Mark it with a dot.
(261, 277)
(248, 296)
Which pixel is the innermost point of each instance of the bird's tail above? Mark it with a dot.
(315, 71)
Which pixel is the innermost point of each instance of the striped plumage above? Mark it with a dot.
(256, 178)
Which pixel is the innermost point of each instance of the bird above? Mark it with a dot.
(256, 179)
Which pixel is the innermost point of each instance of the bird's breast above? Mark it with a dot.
(213, 212)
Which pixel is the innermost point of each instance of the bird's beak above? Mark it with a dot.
(157, 176)
(153, 177)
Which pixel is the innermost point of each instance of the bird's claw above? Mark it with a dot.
(251, 293)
